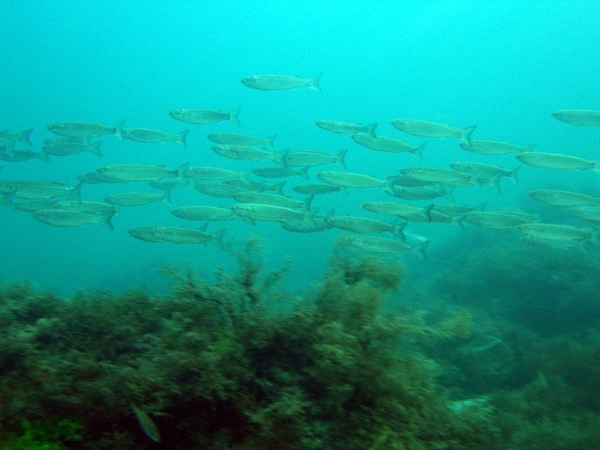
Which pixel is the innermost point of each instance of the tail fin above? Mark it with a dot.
(465, 136)
(419, 249)
(370, 129)
(269, 141)
(233, 115)
(95, 148)
(181, 138)
(23, 137)
(399, 231)
(104, 220)
(304, 172)
(217, 238)
(339, 158)
(314, 83)
(167, 196)
(419, 151)
(119, 129)
(515, 173)
(43, 156)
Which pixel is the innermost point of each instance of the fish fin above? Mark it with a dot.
(95, 148)
(279, 158)
(279, 187)
(529, 148)
(167, 197)
(419, 249)
(514, 174)
(449, 193)
(23, 137)
(399, 231)
(304, 172)
(105, 220)
(306, 203)
(465, 135)
(119, 129)
(217, 238)
(8, 148)
(181, 138)
(203, 227)
(480, 207)
(146, 423)
(494, 182)
(76, 191)
(181, 171)
(269, 141)
(314, 83)
(427, 211)
(370, 129)
(339, 158)
(419, 151)
(233, 115)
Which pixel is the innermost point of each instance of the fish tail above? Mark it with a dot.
(217, 238)
(427, 211)
(457, 222)
(306, 203)
(76, 191)
(494, 182)
(181, 171)
(279, 187)
(8, 149)
(43, 156)
(389, 185)
(514, 174)
(95, 148)
(529, 148)
(309, 216)
(465, 136)
(233, 115)
(419, 151)
(181, 138)
(279, 158)
(23, 136)
(419, 249)
(105, 220)
(449, 194)
(480, 207)
(304, 172)
(167, 196)
(314, 83)
(339, 158)
(399, 231)
(370, 129)
(269, 141)
(119, 129)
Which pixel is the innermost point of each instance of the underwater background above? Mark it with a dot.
(508, 332)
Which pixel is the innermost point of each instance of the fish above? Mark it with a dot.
(257, 186)
(183, 235)
(148, 135)
(557, 161)
(486, 173)
(272, 199)
(558, 232)
(481, 343)
(354, 180)
(305, 158)
(495, 148)
(337, 126)
(70, 148)
(316, 189)
(31, 205)
(458, 210)
(563, 198)
(553, 244)
(21, 136)
(145, 233)
(317, 224)
(384, 245)
(203, 213)
(272, 213)
(422, 192)
(249, 153)
(86, 207)
(281, 82)
(11, 155)
(146, 423)
(582, 117)
(68, 218)
(214, 173)
(280, 172)
(138, 198)
(439, 176)
(366, 225)
(168, 184)
(41, 189)
(432, 129)
(205, 116)
(405, 212)
(141, 172)
(242, 139)
(587, 213)
(96, 178)
(493, 219)
(220, 190)
(84, 129)
(385, 144)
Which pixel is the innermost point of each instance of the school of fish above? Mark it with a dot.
(253, 198)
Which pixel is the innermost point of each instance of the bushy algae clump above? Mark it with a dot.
(224, 365)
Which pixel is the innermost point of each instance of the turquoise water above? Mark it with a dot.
(503, 66)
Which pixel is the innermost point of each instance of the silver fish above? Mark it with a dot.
(84, 129)
(563, 198)
(86, 207)
(587, 213)
(242, 139)
(148, 135)
(495, 148)
(557, 161)
(281, 82)
(556, 232)
(366, 225)
(385, 245)
(258, 211)
(203, 213)
(67, 218)
(204, 116)
(280, 172)
(138, 198)
(182, 235)
(313, 158)
(354, 180)
(440, 176)
(249, 153)
(385, 144)
(337, 126)
(22, 136)
(432, 129)
(406, 212)
(272, 199)
(141, 172)
(493, 220)
(214, 173)
(580, 117)
(70, 148)
(316, 189)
